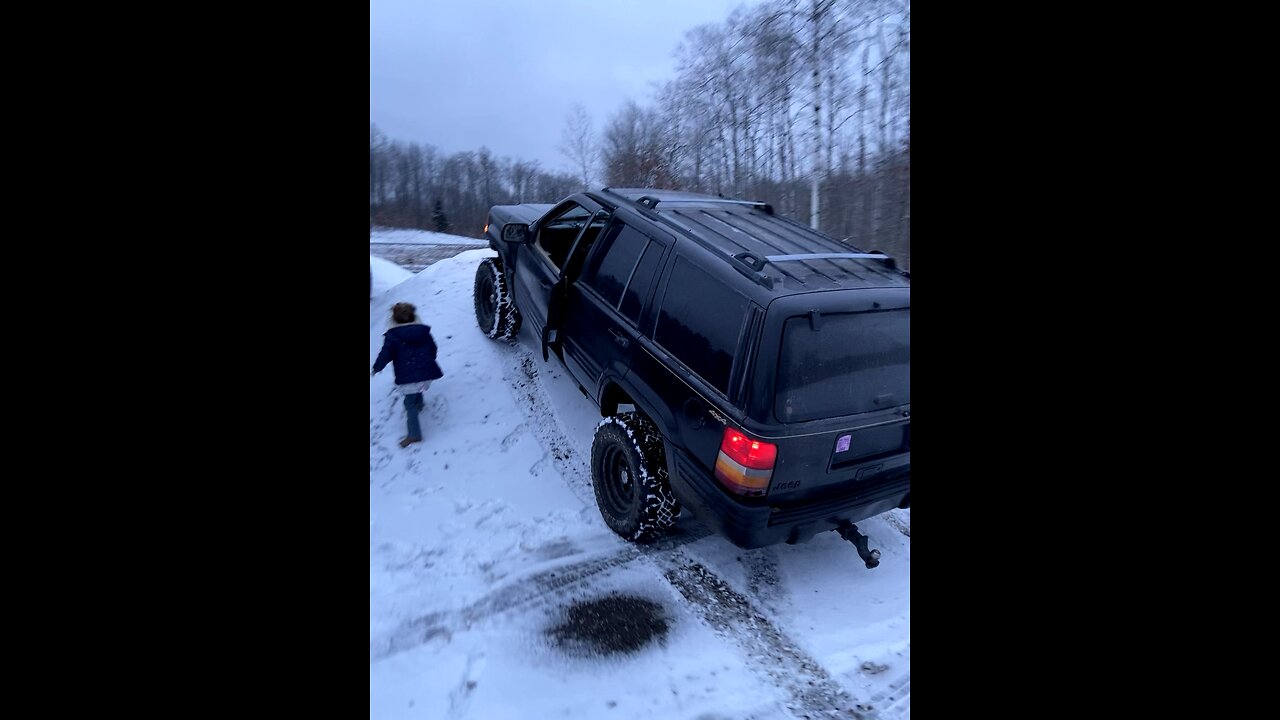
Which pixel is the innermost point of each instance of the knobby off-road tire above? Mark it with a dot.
(629, 474)
(496, 312)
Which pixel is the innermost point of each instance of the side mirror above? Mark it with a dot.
(516, 233)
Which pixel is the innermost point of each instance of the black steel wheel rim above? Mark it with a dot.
(619, 481)
(488, 300)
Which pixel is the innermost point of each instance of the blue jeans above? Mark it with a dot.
(413, 406)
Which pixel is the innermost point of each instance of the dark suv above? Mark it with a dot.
(746, 366)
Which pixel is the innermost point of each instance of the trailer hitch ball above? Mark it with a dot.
(849, 532)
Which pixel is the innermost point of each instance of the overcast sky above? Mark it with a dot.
(459, 74)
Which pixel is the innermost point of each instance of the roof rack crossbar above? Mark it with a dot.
(888, 261)
(764, 233)
(695, 221)
(719, 201)
(825, 256)
(650, 202)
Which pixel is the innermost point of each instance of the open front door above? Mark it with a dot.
(555, 309)
(572, 267)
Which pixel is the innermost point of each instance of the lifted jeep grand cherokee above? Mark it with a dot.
(768, 365)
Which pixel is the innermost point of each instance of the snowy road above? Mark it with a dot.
(414, 257)
(486, 534)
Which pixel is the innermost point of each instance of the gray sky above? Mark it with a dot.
(459, 74)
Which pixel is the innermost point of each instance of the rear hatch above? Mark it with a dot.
(837, 403)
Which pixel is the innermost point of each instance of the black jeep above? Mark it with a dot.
(764, 367)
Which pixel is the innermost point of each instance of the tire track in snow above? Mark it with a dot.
(540, 588)
(895, 519)
(763, 582)
(899, 695)
(571, 461)
(812, 693)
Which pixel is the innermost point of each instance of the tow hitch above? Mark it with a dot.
(849, 532)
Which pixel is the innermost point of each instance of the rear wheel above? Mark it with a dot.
(629, 474)
(496, 312)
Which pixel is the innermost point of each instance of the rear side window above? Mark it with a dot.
(700, 321)
(851, 363)
(641, 282)
(609, 270)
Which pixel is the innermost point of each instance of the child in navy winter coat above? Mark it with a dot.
(409, 348)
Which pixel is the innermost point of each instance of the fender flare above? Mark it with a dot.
(662, 417)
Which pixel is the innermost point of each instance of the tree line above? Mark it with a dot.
(805, 104)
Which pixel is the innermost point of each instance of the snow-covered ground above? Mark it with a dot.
(483, 535)
(400, 236)
(386, 275)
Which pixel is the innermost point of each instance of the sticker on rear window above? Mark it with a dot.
(843, 443)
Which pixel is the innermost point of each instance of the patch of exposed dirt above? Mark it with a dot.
(610, 625)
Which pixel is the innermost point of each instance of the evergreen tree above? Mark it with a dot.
(438, 217)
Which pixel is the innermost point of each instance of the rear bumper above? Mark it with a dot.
(753, 526)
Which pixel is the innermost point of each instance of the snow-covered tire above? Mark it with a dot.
(496, 312)
(629, 474)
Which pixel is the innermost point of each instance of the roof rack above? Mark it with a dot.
(757, 262)
(650, 202)
(826, 256)
(748, 263)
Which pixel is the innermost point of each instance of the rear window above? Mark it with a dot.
(852, 363)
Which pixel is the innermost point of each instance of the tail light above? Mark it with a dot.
(745, 465)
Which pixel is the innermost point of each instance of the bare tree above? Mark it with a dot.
(522, 176)
(819, 20)
(578, 143)
(379, 170)
(637, 149)
(548, 187)
(739, 117)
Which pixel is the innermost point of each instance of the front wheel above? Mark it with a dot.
(629, 474)
(496, 312)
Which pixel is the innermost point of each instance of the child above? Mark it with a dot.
(408, 346)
